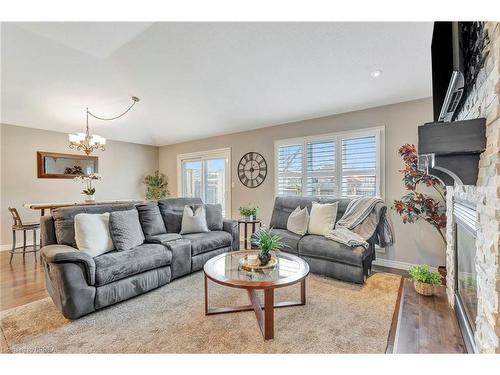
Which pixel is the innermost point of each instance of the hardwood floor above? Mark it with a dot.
(420, 324)
(424, 324)
(20, 282)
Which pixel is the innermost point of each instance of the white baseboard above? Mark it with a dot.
(396, 264)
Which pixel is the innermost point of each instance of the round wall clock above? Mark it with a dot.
(252, 169)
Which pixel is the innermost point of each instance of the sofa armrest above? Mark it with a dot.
(232, 227)
(68, 254)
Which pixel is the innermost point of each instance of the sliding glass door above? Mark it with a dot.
(206, 176)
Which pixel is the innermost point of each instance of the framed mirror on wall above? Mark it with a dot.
(55, 165)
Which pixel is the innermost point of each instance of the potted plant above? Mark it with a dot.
(156, 186)
(89, 192)
(249, 213)
(424, 279)
(266, 242)
(414, 206)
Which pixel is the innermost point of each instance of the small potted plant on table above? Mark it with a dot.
(424, 279)
(249, 213)
(266, 242)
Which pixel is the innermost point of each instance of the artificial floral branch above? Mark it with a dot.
(414, 205)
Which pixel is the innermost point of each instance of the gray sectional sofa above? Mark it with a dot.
(80, 284)
(325, 257)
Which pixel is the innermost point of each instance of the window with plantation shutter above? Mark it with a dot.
(290, 169)
(359, 166)
(347, 164)
(321, 168)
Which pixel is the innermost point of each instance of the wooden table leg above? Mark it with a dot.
(42, 213)
(246, 236)
(269, 313)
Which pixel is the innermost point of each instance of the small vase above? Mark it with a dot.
(89, 198)
(248, 218)
(264, 258)
(423, 288)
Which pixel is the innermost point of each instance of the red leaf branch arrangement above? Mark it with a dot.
(415, 206)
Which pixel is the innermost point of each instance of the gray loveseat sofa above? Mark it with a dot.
(80, 284)
(325, 257)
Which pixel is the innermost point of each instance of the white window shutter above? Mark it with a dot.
(359, 166)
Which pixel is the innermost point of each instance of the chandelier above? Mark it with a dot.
(90, 142)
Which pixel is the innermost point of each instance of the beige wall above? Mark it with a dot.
(122, 166)
(415, 243)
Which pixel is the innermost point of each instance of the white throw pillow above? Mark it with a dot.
(322, 218)
(194, 222)
(298, 221)
(92, 234)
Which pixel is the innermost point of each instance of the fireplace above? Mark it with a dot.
(466, 296)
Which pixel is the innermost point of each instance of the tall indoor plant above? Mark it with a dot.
(414, 206)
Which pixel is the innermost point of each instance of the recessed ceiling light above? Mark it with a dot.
(376, 73)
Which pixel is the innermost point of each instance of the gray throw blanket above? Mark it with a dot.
(359, 223)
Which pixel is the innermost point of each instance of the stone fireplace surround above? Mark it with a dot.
(483, 101)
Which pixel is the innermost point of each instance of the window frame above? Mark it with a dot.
(224, 153)
(378, 132)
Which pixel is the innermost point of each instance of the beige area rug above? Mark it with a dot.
(338, 318)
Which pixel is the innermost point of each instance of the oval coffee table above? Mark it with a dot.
(225, 269)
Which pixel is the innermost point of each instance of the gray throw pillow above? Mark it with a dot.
(125, 229)
(194, 222)
(215, 220)
(151, 219)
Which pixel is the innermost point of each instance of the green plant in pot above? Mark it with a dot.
(249, 213)
(156, 186)
(266, 241)
(424, 279)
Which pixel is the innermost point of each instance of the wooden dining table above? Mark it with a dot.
(50, 206)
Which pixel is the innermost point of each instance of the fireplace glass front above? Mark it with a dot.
(467, 277)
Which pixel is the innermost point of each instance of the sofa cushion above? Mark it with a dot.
(125, 229)
(214, 215)
(284, 206)
(171, 210)
(64, 219)
(320, 247)
(203, 242)
(92, 234)
(194, 221)
(298, 221)
(290, 240)
(118, 265)
(322, 218)
(163, 238)
(151, 220)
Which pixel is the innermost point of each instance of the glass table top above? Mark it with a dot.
(226, 268)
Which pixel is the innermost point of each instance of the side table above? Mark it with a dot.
(245, 223)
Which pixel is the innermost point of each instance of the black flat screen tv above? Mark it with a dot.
(447, 69)
(459, 50)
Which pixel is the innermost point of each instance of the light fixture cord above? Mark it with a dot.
(134, 99)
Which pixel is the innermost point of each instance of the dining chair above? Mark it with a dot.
(20, 226)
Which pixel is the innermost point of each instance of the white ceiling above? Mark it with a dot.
(197, 80)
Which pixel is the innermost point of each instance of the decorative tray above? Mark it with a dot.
(252, 263)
